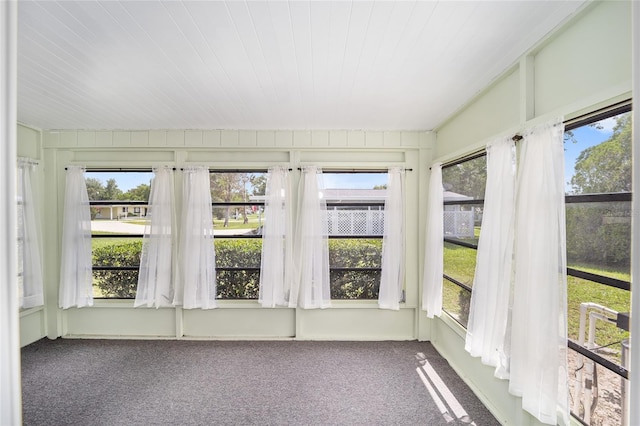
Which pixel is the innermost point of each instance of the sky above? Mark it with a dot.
(125, 181)
(586, 136)
(353, 180)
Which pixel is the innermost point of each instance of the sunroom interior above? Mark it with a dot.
(352, 88)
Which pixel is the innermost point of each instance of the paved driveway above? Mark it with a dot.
(119, 227)
(116, 226)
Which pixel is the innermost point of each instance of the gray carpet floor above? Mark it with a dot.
(143, 382)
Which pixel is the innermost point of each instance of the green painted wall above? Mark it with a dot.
(356, 320)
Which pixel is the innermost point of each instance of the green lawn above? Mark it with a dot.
(253, 222)
(138, 222)
(579, 291)
(459, 263)
(102, 242)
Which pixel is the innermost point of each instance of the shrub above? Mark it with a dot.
(237, 253)
(243, 283)
(355, 253)
(117, 284)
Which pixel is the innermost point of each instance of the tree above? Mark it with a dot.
(467, 178)
(259, 184)
(139, 193)
(95, 190)
(600, 233)
(606, 167)
(111, 190)
(226, 187)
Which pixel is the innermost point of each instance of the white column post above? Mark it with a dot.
(10, 394)
(634, 364)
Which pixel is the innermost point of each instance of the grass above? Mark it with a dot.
(459, 263)
(102, 242)
(253, 223)
(138, 222)
(579, 291)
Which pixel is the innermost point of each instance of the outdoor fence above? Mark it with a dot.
(355, 222)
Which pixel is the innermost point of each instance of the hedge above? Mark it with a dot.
(244, 284)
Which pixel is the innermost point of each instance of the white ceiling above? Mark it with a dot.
(378, 65)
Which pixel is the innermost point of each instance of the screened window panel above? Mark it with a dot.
(465, 181)
(355, 208)
(460, 263)
(598, 156)
(456, 301)
(116, 191)
(599, 238)
(583, 291)
(245, 186)
(354, 254)
(606, 398)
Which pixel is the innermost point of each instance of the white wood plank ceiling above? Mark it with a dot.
(380, 65)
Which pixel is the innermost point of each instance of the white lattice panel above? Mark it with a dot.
(458, 224)
(355, 222)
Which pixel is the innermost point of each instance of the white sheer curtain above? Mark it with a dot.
(197, 278)
(393, 255)
(76, 278)
(539, 322)
(30, 282)
(434, 247)
(312, 244)
(155, 277)
(490, 301)
(275, 268)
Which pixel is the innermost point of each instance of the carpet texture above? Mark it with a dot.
(146, 382)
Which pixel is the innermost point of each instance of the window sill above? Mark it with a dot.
(454, 325)
(29, 311)
(244, 304)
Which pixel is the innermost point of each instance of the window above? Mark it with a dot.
(464, 185)
(29, 267)
(355, 204)
(598, 215)
(238, 217)
(116, 235)
(355, 214)
(598, 229)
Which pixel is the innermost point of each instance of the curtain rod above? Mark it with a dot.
(474, 155)
(357, 170)
(593, 116)
(118, 169)
(590, 117)
(237, 170)
(25, 160)
(469, 157)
